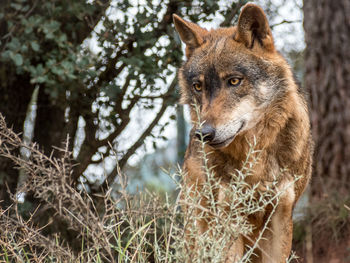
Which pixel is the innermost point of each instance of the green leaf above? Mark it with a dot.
(62, 38)
(50, 35)
(28, 29)
(7, 54)
(67, 65)
(15, 44)
(16, 6)
(17, 58)
(57, 70)
(41, 79)
(35, 46)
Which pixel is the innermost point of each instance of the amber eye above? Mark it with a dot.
(197, 87)
(234, 82)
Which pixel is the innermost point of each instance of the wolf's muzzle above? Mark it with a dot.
(207, 132)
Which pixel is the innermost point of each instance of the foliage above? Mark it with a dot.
(39, 43)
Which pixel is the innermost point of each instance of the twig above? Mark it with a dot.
(286, 22)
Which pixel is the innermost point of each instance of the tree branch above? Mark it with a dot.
(111, 177)
(138, 143)
(90, 144)
(110, 72)
(234, 11)
(286, 22)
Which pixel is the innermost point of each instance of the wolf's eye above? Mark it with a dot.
(234, 82)
(197, 86)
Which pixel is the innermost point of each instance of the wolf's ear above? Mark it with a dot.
(190, 33)
(253, 28)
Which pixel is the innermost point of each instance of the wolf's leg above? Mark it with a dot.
(276, 248)
(235, 251)
(277, 242)
(193, 204)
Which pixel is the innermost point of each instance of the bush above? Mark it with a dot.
(119, 227)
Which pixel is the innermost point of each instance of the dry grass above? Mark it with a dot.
(124, 227)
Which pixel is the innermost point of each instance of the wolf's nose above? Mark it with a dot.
(207, 131)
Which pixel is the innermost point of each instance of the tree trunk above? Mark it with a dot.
(15, 96)
(49, 124)
(327, 77)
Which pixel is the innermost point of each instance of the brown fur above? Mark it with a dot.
(267, 104)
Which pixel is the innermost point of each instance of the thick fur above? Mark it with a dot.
(266, 105)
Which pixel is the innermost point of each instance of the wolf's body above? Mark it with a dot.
(245, 89)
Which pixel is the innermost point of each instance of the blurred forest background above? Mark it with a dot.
(98, 78)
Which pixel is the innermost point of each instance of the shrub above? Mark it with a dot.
(119, 227)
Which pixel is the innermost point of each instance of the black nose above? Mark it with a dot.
(207, 131)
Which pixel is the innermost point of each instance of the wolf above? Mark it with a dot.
(245, 89)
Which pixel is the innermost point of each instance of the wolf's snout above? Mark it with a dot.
(207, 131)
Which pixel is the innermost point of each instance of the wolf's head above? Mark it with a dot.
(233, 74)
